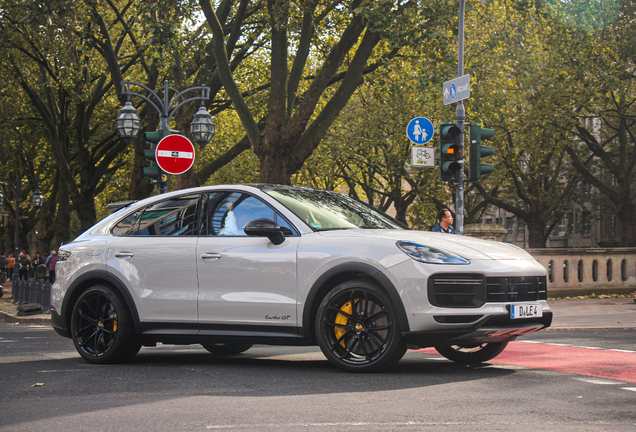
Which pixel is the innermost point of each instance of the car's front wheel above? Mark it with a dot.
(102, 327)
(472, 354)
(226, 349)
(357, 328)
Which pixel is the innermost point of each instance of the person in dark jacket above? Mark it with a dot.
(23, 266)
(445, 222)
(35, 263)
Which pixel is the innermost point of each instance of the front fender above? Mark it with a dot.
(79, 285)
(342, 273)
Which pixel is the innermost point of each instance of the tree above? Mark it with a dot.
(602, 86)
(350, 38)
(509, 62)
(367, 149)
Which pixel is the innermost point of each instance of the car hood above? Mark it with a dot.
(467, 247)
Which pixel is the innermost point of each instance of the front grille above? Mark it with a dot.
(473, 290)
(466, 290)
(509, 289)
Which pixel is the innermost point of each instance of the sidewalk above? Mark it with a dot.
(575, 313)
(9, 311)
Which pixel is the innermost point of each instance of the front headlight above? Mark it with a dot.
(429, 255)
(63, 255)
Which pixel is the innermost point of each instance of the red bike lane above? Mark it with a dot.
(598, 363)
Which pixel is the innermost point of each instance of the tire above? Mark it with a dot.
(226, 349)
(361, 338)
(102, 327)
(470, 355)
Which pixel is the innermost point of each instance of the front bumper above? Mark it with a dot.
(494, 328)
(59, 325)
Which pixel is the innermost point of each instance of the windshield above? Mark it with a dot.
(323, 210)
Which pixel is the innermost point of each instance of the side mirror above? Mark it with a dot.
(265, 228)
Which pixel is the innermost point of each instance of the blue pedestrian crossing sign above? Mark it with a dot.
(420, 130)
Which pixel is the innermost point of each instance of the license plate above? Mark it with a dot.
(526, 310)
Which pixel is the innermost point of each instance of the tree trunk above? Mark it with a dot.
(8, 230)
(275, 166)
(186, 180)
(63, 219)
(86, 211)
(48, 218)
(536, 235)
(628, 224)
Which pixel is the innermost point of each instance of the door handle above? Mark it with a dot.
(211, 256)
(124, 254)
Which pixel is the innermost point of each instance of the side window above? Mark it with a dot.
(231, 213)
(172, 217)
(126, 224)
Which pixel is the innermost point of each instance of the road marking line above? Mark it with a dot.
(383, 425)
(575, 346)
(629, 388)
(65, 370)
(601, 381)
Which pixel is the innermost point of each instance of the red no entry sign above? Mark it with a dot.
(175, 154)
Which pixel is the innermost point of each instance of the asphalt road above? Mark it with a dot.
(46, 386)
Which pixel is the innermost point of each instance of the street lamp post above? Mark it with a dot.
(128, 123)
(36, 201)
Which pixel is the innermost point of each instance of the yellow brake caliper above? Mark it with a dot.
(115, 323)
(342, 320)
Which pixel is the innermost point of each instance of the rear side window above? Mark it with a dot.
(176, 216)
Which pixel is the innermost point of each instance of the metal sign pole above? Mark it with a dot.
(459, 118)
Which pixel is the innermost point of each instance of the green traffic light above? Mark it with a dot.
(476, 151)
(450, 151)
(153, 172)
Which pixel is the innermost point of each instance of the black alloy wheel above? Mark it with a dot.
(102, 328)
(357, 329)
(226, 349)
(473, 354)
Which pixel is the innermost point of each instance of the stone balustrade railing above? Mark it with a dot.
(599, 270)
(579, 271)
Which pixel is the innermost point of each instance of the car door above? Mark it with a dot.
(245, 281)
(156, 257)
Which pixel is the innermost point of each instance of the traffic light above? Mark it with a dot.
(477, 151)
(450, 151)
(153, 172)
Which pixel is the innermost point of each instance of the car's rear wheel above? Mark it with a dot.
(226, 349)
(357, 328)
(472, 354)
(102, 327)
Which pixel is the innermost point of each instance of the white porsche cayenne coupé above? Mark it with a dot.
(232, 266)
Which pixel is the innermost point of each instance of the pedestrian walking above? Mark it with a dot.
(51, 262)
(445, 222)
(23, 266)
(10, 266)
(35, 263)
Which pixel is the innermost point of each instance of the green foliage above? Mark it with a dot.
(365, 151)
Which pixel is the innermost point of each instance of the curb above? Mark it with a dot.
(30, 320)
(573, 292)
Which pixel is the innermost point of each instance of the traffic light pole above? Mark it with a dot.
(459, 119)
